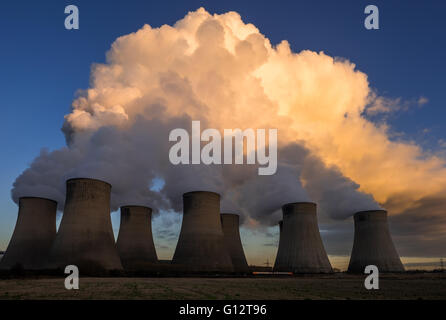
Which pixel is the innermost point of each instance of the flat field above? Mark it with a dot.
(336, 286)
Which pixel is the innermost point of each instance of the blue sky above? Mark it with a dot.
(42, 64)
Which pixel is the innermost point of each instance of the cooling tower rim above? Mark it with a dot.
(40, 198)
(376, 210)
(230, 214)
(234, 217)
(376, 214)
(88, 179)
(301, 202)
(200, 192)
(370, 211)
(135, 206)
(290, 204)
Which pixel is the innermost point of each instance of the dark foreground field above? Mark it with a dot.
(337, 286)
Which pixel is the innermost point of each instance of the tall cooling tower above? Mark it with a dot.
(280, 256)
(302, 244)
(231, 232)
(373, 244)
(85, 237)
(33, 235)
(135, 241)
(201, 245)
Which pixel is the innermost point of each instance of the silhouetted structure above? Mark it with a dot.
(373, 244)
(280, 256)
(85, 237)
(135, 241)
(201, 245)
(303, 250)
(231, 231)
(33, 235)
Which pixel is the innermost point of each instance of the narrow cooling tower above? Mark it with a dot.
(135, 241)
(373, 244)
(201, 245)
(231, 232)
(33, 235)
(302, 244)
(85, 236)
(280, 249)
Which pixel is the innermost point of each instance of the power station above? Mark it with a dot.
(209, 242)
(303, 250)
(33, 235)
(373, 244)
(135, 241)
(231, 231)
(201, 244)
(85, 236)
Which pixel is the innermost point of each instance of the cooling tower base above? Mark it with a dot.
(193, 250)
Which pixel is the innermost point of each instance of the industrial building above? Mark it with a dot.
(303, 250)
(209, 242)
(135, 241)
(85, 236)
(201, 246)
(373, 244)
(231, 231)
(33, 235)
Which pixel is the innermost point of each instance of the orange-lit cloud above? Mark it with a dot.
(219, 69)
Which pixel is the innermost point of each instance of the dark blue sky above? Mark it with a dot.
(43, 64)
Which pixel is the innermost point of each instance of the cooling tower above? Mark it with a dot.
(231, 233)
(201, 245)
(135, 241)
(33, 235)
(373, 244)
(280, 250)
(303, 250)
(85, 237)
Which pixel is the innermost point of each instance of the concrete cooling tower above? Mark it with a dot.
(231, 232)
(280, 249)
(135, 241)
(201, 245)
(373, 244)
(33, 235)
(85, 237)
(302, 248)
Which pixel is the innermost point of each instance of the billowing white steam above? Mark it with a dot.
(225, 73)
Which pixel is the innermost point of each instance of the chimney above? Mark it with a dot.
(201, 247)
(302, 244)
(135, 241)
(33, 235)
(231, 232)
(373, 244)
(85, 237)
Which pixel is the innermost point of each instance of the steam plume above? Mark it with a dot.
(225, 73)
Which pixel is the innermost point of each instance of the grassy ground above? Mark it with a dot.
(337, 286)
